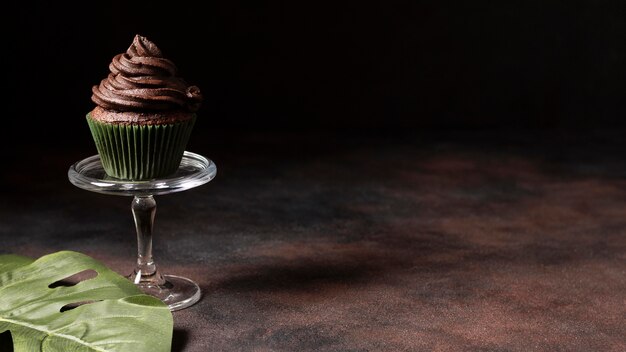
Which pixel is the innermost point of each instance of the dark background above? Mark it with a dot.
(338, 69)
(543, 81)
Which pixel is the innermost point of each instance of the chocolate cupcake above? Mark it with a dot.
(144, 115)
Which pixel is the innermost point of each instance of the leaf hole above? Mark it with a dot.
(71, 306)
(6, 341)
(75, 279)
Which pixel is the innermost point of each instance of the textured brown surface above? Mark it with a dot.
(395, 245)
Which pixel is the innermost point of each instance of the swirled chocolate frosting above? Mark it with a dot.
(142, 80)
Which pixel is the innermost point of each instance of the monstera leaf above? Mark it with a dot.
(104, 313)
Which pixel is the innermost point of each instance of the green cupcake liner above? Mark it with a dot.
(132, 152)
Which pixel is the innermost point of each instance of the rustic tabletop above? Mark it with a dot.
(452, 243)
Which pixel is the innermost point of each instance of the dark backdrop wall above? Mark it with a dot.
(293, 65)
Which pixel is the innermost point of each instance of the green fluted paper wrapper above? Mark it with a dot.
(133, 152)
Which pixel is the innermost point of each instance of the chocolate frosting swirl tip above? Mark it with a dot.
(141, 46)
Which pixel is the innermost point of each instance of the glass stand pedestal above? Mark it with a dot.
(195, 170)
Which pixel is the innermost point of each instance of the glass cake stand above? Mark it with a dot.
(195, 170)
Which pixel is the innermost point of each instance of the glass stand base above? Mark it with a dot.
(177, 292)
